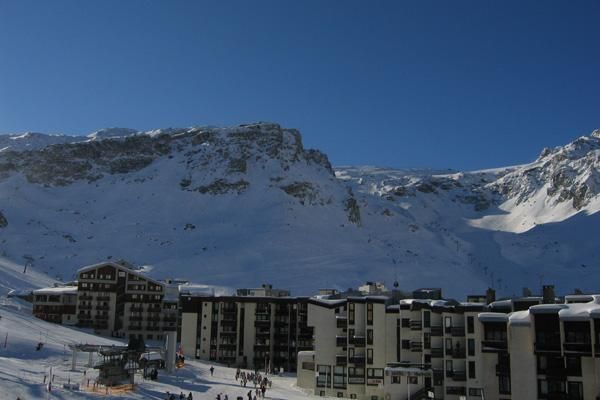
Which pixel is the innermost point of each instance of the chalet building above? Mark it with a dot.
(261, 328)
(116, 300)
(355, 338)
(56, 304)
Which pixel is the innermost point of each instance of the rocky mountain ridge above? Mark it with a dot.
(242, 205)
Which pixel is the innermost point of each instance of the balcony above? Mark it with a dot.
(228, 346)
(416, 346)
(358, 341)
(153, 328)
(553, 346)
(170, 318)
(437, 352)
(459, 376)
(458, 331)
(493, 345)
(228, 323)
(136, 308)
(415, 325)
(459, 353)
(229, 332)
(85, 306)
(262, 323)
(101, 317)
(358, 360)
(556, 372)
(341, 341)
(85, 297)
(584, 348)
(134, 328)
(436, 331)
(341, 322)
(103, 298)
(341, 359)
(502, 369)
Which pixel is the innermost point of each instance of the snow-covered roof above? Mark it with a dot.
(547, 308)
(57, 290)
(429, 302)
(197, 289)
(581, 311)
(121, 267)
(492, 317)
(519, 318)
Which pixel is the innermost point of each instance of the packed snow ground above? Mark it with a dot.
(22, 367)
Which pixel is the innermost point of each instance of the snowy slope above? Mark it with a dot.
(245, 205)
(22, 367)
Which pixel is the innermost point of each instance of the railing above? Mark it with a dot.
(101, 316)
(458, 331)
(102, 308)
(341, 359)
(436, 331)
(416, 346)
(85, 297)
(459, 353)
(341, 322)
(456, 375)
(153, 328)
(548, 346)
(85, 307)
(358, 341)
(357, 360)
(170, 319)
(103, 298)
(262, 323)
(578, 347)
(494, 344)
(134, 328)
(437, 352)
(502, 369)
(416, 325)
(341, 341)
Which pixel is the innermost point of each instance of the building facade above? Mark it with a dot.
(56, 304)
(116, 300)
(354, 341)
(258, 328)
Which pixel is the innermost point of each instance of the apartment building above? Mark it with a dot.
(56, 304)
(114, 299)
(549, 351)
(438, 351)
(354, 341)
(262, 328)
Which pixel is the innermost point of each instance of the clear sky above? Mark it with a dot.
(442, 84)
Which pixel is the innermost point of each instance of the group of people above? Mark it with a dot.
(172, 396)
(260, 382)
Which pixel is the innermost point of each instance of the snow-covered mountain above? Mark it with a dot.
(249, 204)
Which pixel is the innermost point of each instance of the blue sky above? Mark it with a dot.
(442, 84)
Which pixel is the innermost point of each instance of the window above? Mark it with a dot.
(474, 392)
(470, 325)
(340, 394)
(406, 344)
(426, 319)
(351, 313)
(406, 322)
(324, 376)
(369, 356)
(374, 376)
(413, 380)
(426, 340)
(369, 313)
(504, 384)
(471, 369)
(471, 347)
(448, 322)
(573, 366)
(575, 391)
(396, 379)
(369, 336)
(339, 377)
(449, 366)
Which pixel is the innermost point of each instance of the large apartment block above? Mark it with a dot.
(260, 328)
(516, 349)
(116, 300)
(56, 304)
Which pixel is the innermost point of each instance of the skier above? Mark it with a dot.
(212, 370)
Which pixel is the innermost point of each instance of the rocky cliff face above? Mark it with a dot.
(244, 205)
